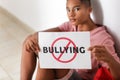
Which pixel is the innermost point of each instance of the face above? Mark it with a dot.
(77, 13)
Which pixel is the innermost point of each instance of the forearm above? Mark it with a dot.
(114, 69)
(56, 29)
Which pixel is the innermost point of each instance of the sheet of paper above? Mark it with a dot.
(64, 50)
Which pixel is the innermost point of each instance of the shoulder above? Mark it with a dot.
(66, 26)
(101, 36)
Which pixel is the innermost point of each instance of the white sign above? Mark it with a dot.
(64, 50)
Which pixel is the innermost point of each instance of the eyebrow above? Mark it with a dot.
(74, 6)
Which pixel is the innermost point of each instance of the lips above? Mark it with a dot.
(72, 20)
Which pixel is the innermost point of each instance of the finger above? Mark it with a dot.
(102, 59)
(96, 46)
(27, 46)
(92, 47)
(36, 41)
(33, 48)
(97, 49)
(99, 58)
(36, 47)
(26, 42)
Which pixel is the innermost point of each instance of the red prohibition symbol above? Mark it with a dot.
(58, 58)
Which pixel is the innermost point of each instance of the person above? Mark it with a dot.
(78, 12)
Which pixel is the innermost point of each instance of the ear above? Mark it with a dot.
(90, 9)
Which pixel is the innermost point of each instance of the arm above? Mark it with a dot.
(29, 54)
(53, 30)
(102, 54)
(114, 69)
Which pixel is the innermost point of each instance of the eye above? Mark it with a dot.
(76, 8)
(68, 10)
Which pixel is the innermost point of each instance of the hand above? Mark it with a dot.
(101, 53)
(31, 43)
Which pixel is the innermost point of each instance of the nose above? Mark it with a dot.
(71, 14)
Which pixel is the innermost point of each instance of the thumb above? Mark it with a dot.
(90, 48)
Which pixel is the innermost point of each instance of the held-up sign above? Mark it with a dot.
(64, 50)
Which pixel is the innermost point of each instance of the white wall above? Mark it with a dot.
(25, 10)
(52, 13)
(38, 14)
(42, 14)
(107, 12)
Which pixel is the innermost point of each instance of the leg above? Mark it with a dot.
(66, 74)
(29, 59)
(45, 74)
(60, 73)
(28, 63)
(50, 74)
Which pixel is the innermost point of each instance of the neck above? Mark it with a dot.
(87, 26)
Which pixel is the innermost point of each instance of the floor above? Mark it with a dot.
(11, 39)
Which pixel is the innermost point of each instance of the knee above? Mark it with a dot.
(60, 73)
(26, 41)
(27, 38)
(42, 73)
(31, 37)
(30, 44)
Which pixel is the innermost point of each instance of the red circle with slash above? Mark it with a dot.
(58, 58)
